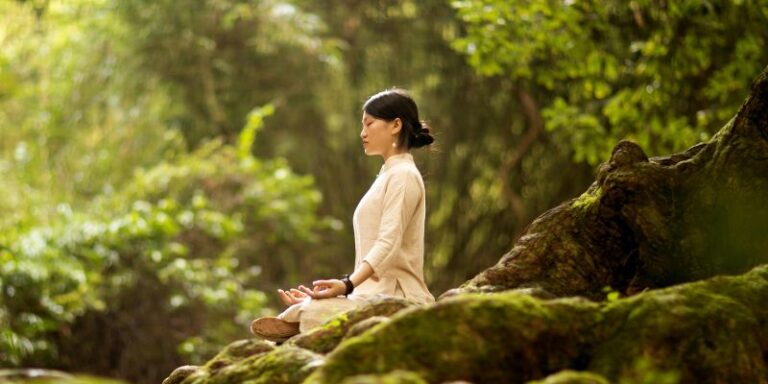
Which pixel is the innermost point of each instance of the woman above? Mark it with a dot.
(388, 225)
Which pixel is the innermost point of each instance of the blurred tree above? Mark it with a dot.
(665, 74)
(478, 199)
(74, 123)
(223, 57)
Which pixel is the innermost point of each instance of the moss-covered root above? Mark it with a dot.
(324, 338)
(394, 377)
(180, 374)
(283, 365)
(479, 338)
(573, 377)
(714, 331)
(47, 376)
(231, 354)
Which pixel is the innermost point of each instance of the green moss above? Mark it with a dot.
(180, 374)
(587, 201)
(80, 379)
(45, 376)
(572, 377)
(712, 331)
(325, 338)
(450, 340)
(365, 325)
(394, 377)
(709, 331)
(283, 365)
(237, 351)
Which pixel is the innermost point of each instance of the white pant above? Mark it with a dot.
(313, 312)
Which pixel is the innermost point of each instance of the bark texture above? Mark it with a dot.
(650, 223)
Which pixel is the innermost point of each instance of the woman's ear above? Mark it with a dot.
(397, 125)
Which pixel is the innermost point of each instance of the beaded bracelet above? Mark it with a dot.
(348, 283)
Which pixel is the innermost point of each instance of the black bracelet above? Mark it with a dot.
(348, 283)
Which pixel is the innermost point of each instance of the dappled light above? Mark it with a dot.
(167, 166)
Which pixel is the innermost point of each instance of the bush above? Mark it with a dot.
(159, 273)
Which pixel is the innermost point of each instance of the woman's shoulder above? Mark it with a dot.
(404, 171)
(404, 175)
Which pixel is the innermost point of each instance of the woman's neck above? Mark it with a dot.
(391, 153)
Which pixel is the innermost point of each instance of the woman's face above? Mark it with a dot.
(378, 135)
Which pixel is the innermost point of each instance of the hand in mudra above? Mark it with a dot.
(292, 296)
(324, 289)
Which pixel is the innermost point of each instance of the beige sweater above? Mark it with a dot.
(388, 225)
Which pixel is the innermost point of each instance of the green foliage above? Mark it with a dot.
(254, 122)
(664, 74)
(74, 120)
(222, 57)
(192, 231)
(130, 115)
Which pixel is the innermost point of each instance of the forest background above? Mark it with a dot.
(167, 165)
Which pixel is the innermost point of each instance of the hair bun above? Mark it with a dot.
(422, 136)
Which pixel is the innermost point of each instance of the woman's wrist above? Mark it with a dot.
(348, 284)
(361, 274)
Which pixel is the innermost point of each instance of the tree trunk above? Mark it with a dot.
(650, 223)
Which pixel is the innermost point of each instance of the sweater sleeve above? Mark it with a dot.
(401, 197)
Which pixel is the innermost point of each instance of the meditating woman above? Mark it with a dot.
(388, 225)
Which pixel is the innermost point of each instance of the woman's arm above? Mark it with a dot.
(361, 274)
(324, 289)
(402, 195)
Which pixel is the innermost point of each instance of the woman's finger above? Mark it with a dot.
(307, 291)
(297, 293)
(290, 296)
(322, 282)
(284, 297)
(320, 292)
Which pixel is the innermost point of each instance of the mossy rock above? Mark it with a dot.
(394, 377)
(324, 338)
(181, 373)
(573, 377)
(475, 337)
(48, 376)
(712, 331)
(365, 325)
(237, 351)
(283, 365)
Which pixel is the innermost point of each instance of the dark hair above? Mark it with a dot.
(397, 103)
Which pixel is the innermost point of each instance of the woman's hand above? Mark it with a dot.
(324, 289)
(293, 296)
